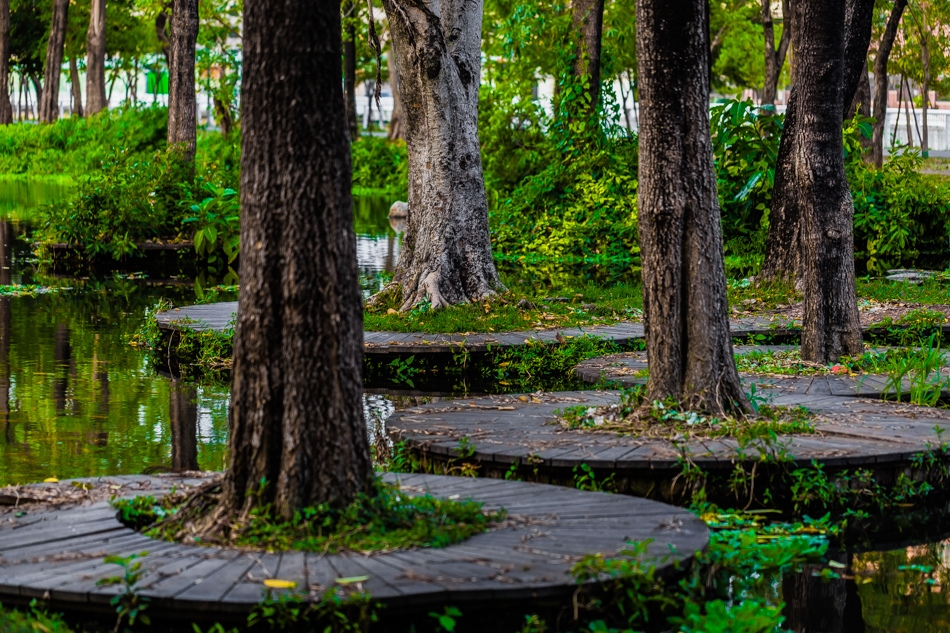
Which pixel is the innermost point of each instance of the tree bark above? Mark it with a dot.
(296, 404)
(588, 17)
(880, 81)
(446, 252)
(6, 108)
(349, 70)
(861, 103)
(75, 87)
(774, 59)
(684, 280)
(924, 31)
(396, 119)
(161, 32)
(783, 250)
(830, 324)
(96, 59)
(49, 100)
(182, 103)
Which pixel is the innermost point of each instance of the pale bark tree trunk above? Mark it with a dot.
(446, 252)
(684, 280)
(907, 115)
(49, 100)
(396, 119)
(783, 248)
(588, 17)
(96, 59)
(774, 59)
(182, 103)
(75, 87)
(296, 404)
(830, 326)
(924, 30)
(349, 70)
(880, 81)
(6, 108)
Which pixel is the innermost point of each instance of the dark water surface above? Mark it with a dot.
(76, 399)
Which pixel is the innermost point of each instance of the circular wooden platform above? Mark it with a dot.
(58, 554)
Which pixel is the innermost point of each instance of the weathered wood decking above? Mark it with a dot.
(58, 554)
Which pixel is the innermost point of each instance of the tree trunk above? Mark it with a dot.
(396, 119)
(908, 103)
(349, 69)
(446, 252)
(6, 108)
(49, 100)
(183, 420)
(161, 32)
(182, 103)
(783, 248)
(38, 88)
(75, 87)
(296, 406)
(96, 59)
(925, 90)
(588, 16)
(830, 324)
(880, 81)
(223, 113)
(861, 103)
(684, 280)
(774, 59)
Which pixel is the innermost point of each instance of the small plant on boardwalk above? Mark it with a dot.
(383, 519)
(338, 610)
(129, 605)
(923, 370)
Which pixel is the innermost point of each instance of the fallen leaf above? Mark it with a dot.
(352, 580)
(390, 311)
(274, 583)
(51, 480)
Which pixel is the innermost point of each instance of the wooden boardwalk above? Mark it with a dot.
(57, 554)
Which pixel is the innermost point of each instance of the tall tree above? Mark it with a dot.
(349, 67)
(880, 81)
(783, 248)
(75, 87)
(588, 17)
(49, 98)
(6, 108)
(296, 406)
(395, 119)
(446, 252)
(685, 307)
(182, 103)
(774, 58)
(830, 324)
(96, 59)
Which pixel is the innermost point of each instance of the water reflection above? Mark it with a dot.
(823, 605)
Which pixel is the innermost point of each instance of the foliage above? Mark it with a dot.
(129, 605)
(380, 165)
(217, 227)
(383, 518)
(35, 620)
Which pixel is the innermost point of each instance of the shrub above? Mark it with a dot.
(380, 165)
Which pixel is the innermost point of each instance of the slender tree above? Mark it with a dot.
(396, 118)
(6, 108)
(96, 59)
(75, 88)
(49, 98)
(774, 58)
(349, 67)
(296, 406)
(830, 324)
(880, 81)
(182, 103)
(446, 252)
(685, 307)
(588, 17)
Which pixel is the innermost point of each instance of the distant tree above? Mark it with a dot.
(96, 59)
(446, 251)
(588, 19)
(685, 308)
(6, 109)
(774, 57)
(49, 98)
(880, 81)
(296, 407)
(182, 103)
(350, 15)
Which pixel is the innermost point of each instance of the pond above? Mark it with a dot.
(76, 399)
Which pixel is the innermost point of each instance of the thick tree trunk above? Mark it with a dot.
(774, 59)
(684, 280)
(75, 87)
(6, 108)
(880, 81)
(396, 119)
(296, 406)
(588, 16)
(96, 59)
(446, 252)
(830, 324)
(783, 251)
(49, 100)
(182, 103)
(349, 70)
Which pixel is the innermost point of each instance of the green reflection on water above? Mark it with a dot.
(20, 198)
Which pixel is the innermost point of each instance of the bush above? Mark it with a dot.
(380, 165)
(37, 621)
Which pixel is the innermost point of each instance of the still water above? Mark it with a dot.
(76, 399)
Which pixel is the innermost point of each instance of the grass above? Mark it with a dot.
(34, 621)
(513, 311)
(384, 518)
(790, 363)
(770, 296)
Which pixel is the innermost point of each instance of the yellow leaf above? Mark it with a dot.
(274, 583)
(352, 580)
(51, 480)
(390, 311)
